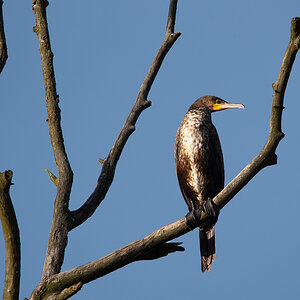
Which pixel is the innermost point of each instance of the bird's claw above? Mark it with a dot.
(194, 216)
(192, 219)
(210, 208)
(212, 211)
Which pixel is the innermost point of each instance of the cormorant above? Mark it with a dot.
(199, 165)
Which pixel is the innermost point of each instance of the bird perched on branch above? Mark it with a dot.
(200, 167)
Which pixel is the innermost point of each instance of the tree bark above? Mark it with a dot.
(134, 251)
(59, 229)
(11, 239)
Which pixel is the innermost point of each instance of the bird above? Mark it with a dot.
(200, 166)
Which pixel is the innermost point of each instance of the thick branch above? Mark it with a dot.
(139, 249)
(107, 174)
(58, 234)
(113, 261)
(3, 47)
(11, 238)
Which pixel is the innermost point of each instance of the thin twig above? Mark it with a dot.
(171, 17)
(11, 238)
(3, 47)
(53, 178)
(101, 161)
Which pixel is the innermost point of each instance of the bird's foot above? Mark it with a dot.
(193, 218)
(210, 209)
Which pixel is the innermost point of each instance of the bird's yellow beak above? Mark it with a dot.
(225, 105)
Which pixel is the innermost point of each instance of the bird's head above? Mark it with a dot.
(214, 104)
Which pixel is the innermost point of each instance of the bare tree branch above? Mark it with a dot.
(111, 262)
(160, 251)
(11, 238)
(267, 156)
(3, 47)
(108, 169)
(139, 249)
(58, 234)
(171, 18)
(69, 292)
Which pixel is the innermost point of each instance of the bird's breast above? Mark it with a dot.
(192, 155)
(193, 135)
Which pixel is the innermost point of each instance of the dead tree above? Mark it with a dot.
(62, 285)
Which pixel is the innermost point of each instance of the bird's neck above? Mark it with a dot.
(203, 114)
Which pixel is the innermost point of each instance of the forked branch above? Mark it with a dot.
(64, 220)
(109, 164)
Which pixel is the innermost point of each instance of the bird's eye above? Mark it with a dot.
(218, 101)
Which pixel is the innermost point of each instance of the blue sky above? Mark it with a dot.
(102, 51)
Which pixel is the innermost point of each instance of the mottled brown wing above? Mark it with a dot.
(183, 170)
(211, 166)
(188, 193)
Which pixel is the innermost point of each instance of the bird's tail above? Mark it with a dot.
(207, 248)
